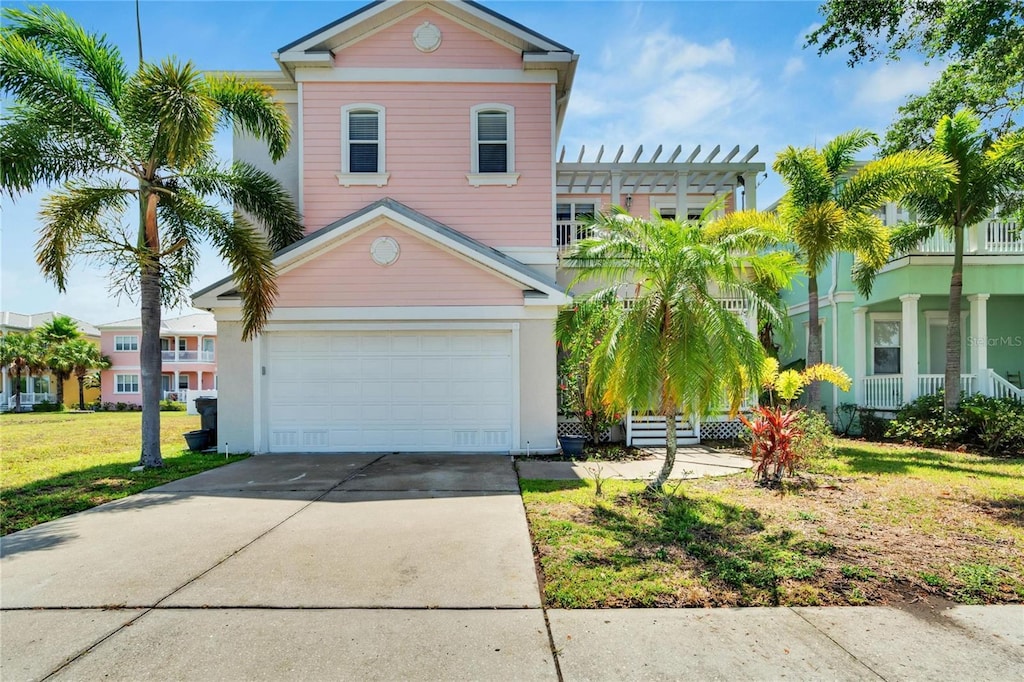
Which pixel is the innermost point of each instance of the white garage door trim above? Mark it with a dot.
(261, 434)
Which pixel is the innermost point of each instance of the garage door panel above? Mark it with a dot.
(389, 391)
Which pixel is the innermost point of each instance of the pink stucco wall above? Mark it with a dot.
(428, 154)
(424, 274)
(460, 48)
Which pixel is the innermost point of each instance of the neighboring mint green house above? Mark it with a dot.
(893, 343)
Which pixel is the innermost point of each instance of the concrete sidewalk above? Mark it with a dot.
(691, 462)
(403, 567)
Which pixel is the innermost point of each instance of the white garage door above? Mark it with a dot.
(389, 391)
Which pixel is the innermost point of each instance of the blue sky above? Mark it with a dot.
(728, 73)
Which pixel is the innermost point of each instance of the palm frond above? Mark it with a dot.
(841, 152)
(252, 108)
(71, 216)
(255, 192)
(806, 175)
(56, 33)
(893, 177)
(37, 78)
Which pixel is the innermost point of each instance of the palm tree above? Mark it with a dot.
(138, 147)
(15, 356)
(85, 358)
(54, 337)
(990, 174)
(829, 206)
(676, 349)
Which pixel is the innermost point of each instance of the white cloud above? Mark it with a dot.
(794, 65)
(891, 83)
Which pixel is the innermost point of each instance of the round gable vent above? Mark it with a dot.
(384, 250)
(426, 37)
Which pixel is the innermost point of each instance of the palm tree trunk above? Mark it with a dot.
(60, 389)
(150, 358)
(813, 340)
(81, 391)
(956, 286)
(670, 453)
(17, 389)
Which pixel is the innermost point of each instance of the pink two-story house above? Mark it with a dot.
(417, 313)
(189, 348)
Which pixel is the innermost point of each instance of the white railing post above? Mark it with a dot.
(909, 345)
(859, 353)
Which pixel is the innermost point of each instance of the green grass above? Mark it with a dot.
(56, 464)
(873, 524)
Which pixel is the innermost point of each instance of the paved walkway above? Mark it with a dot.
(691, 462)
(365, 567)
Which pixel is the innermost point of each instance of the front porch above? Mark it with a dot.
(900, 355)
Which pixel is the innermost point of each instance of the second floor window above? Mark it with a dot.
(126, 343)
(364, 139)
(493, 133)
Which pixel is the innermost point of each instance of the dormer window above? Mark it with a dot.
(362, 154)
(493, 143)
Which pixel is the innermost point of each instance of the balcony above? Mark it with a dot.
(567, 233)
(993, 237)
(187, 355)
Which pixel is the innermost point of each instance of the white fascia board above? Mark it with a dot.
(315, 40)
(823, 302)
(547, 57)
(399, 75)
(314, 317)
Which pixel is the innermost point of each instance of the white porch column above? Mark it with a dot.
(176, 388)
(199, 380)
(977, 342)
(176, 352)
(910, 345)
(750, 191)
(682, 195)
(860, 349)
(616, 188)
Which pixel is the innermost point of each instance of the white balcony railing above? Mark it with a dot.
(999, 237)
(883, 392)
(187, 356)
(568, 233)
(1001, 388)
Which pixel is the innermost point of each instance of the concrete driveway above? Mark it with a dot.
(403, 567)
(309, 567)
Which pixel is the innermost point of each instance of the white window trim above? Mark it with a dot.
(509, 177)
(133, 342)
(347, 178)
(884, 317)
(117, 382)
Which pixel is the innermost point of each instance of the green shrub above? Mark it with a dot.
(872, 427)
(816, 438)
(171, 406)
(47, 406)
(992, 425)
(121, 407)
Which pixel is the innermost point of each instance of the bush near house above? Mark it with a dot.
(994, 426)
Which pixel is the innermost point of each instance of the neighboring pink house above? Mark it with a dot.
(189, 349)
(417, 314)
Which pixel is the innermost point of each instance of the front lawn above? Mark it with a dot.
(55, 464)
(875, 524)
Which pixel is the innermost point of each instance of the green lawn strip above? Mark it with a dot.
(874, 524)
(52, 465)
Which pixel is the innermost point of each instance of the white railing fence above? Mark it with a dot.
(29, 399)
(992, 237)
(187, 356)
(884, 392)
(930, 384)
(1002, 236)
(1001, 388)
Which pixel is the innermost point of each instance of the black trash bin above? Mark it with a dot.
(207, 409)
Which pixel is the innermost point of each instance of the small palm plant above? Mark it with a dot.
(780, 435)
(16, 351)
(675, 349)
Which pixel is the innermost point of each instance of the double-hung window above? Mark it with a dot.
(886, 336)
(572, 222)
(126, 383)
(126, 343)
(493, 143)
(362, 154)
